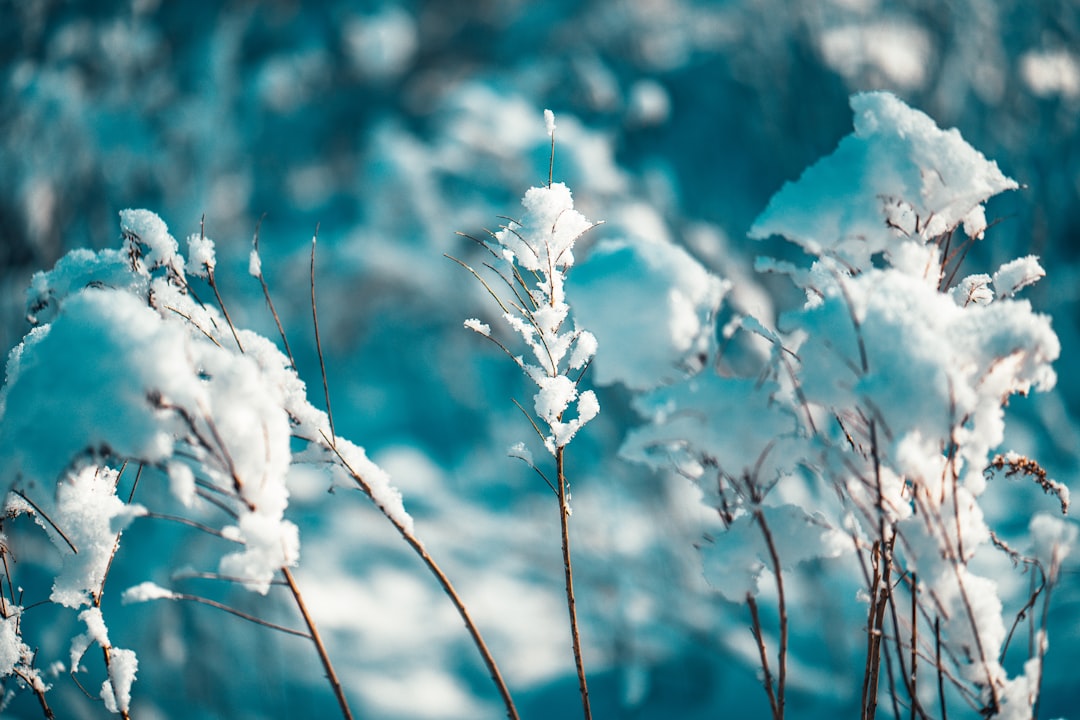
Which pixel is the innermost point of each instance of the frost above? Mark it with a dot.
(549, 122)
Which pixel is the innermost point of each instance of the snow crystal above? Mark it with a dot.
(383, 493)
(201, 258)
(898, 175)
(1017, 274)
(549, 122)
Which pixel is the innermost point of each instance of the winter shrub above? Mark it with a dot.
(862, 446)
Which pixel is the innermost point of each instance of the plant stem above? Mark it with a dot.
(444, 581)
(339, 693)
(571, 604)
(781, 682)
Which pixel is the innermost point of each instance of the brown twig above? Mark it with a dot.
(318, 341)
(767, 679)
(331, 676)
(571, 602)
(781, 679)
(444, 581)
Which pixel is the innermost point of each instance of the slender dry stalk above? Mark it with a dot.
(781, 680)
(767, 679)
(331, 676)
(415, 543)
(318, 341)
(571, 602)
(269, 302)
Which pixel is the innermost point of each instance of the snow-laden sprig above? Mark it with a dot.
(534, 253)
(125, 364)
(896, 378)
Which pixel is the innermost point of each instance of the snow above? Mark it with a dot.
(549, 123)
(200, 259)
(896, 176)
(116, 691)
(254, 264)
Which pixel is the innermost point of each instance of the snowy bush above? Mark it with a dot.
(869, 432)
(862, 448)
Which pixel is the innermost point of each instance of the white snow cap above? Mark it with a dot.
(549, 121)
(896, 176)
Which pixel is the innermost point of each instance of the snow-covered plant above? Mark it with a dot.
(126, 372)
(531, 258)
(869, 433)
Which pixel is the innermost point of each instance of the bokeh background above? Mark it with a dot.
(392, 125)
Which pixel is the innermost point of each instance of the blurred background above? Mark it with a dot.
(392, 125)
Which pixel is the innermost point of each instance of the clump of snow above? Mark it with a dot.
(201, 258)
(86, 509)
(116, 691)
(145, 592)
(147, 240)
(897, 176)
(479, 327)
(254, 264)
(549, 122)
(1015, 275)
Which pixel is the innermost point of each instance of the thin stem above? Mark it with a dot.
(444, 581)
(755, 628)
(224, 310)
(781, 682)
(571, 605)
(339, 693)
(940, 667)
(318, 341)
(48, 519)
